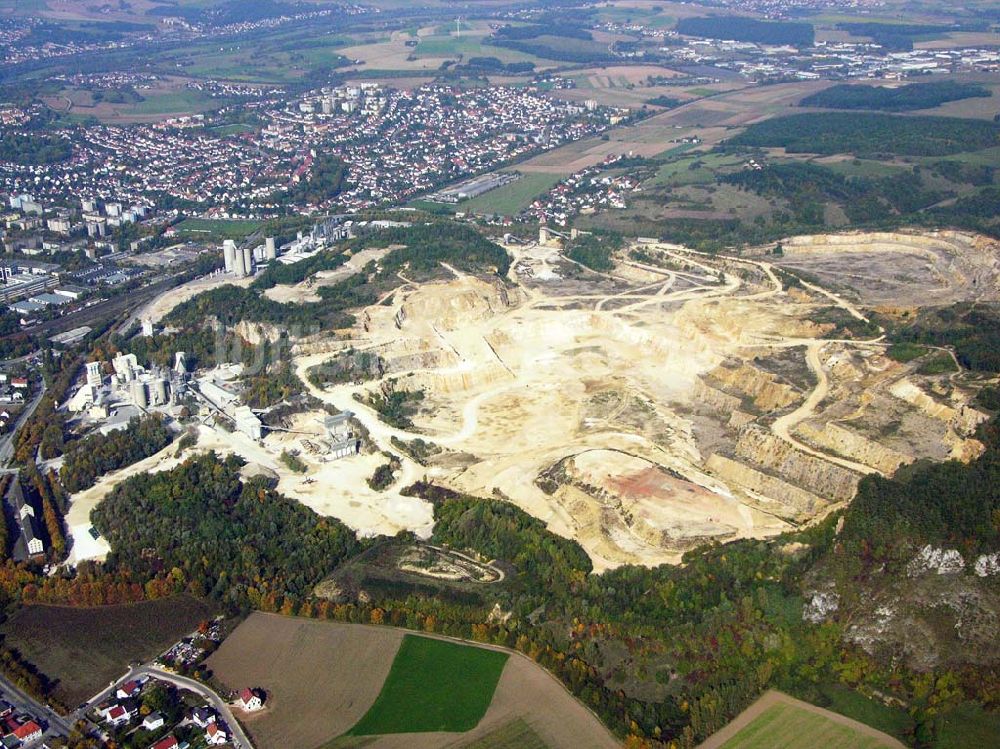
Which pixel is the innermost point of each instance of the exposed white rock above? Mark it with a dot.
(988, 565)
(820, 607)
(931, 559)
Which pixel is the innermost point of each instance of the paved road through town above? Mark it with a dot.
(21, 701)
(7, 441)
(239, 737)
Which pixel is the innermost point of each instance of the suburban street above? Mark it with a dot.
(240, 739)
(55, 723)
(7, 441)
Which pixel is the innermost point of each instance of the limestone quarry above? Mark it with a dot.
(678, 399)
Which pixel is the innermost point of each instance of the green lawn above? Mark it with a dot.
(205, 228)
(785, 726)
(968, 726)
(511, 198)
(434, 685)
(234, 129)
(697, 169)
(905, 351)
(894, 721)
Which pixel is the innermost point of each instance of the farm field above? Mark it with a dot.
(82, 649)
(512, 198)
(434, 686)
(167, 97)
(710, 119)
(317, 692)
(777, 721)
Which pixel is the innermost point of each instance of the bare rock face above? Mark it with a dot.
(813, 474)
(766, 392)
(987, 565)
(782, 499)
(452, 305)
(820, 607)
(931, 620)
(857, 447)
(940, 561)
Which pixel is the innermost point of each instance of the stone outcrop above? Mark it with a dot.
(762, 387)
(813, 474)
(852, 445)
(774, 495)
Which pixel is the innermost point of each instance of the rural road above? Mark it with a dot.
(241, 740)
(783, 426)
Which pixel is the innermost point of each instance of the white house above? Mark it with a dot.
(119, 715)
(250, 700)
(152, 722)
(202, 716)
(215, 734)
(128, 689)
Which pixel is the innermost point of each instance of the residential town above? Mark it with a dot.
(395, 143)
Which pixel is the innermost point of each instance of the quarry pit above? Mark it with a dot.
(676, 400)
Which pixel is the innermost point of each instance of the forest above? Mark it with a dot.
(809, 187)
(745, 29)
(865, 133)
(972, 329)
(594, 249)
(240, 544)
(89, 458)
(894, 99)
(33, 149)
(900, 36)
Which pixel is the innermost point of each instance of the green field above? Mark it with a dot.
(511, 198)
(697, 169)
(790, 727)
(894, 721)
(864, 168)
(210, 228)
(180, 101)
(967, 726)
(434, 685)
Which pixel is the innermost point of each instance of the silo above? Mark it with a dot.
(238, 268)
(138, 392)
(229, 254)
(160, 392)
(248, 261)
(270, 249)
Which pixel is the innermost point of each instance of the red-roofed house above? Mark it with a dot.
(28, 732)
(215, 734)
(119, 715)
(250, 700)
(128, 689)
(167, 742)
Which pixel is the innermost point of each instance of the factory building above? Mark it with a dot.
(29, 542)
(342, 440)
(129, 385)
(227, 402)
